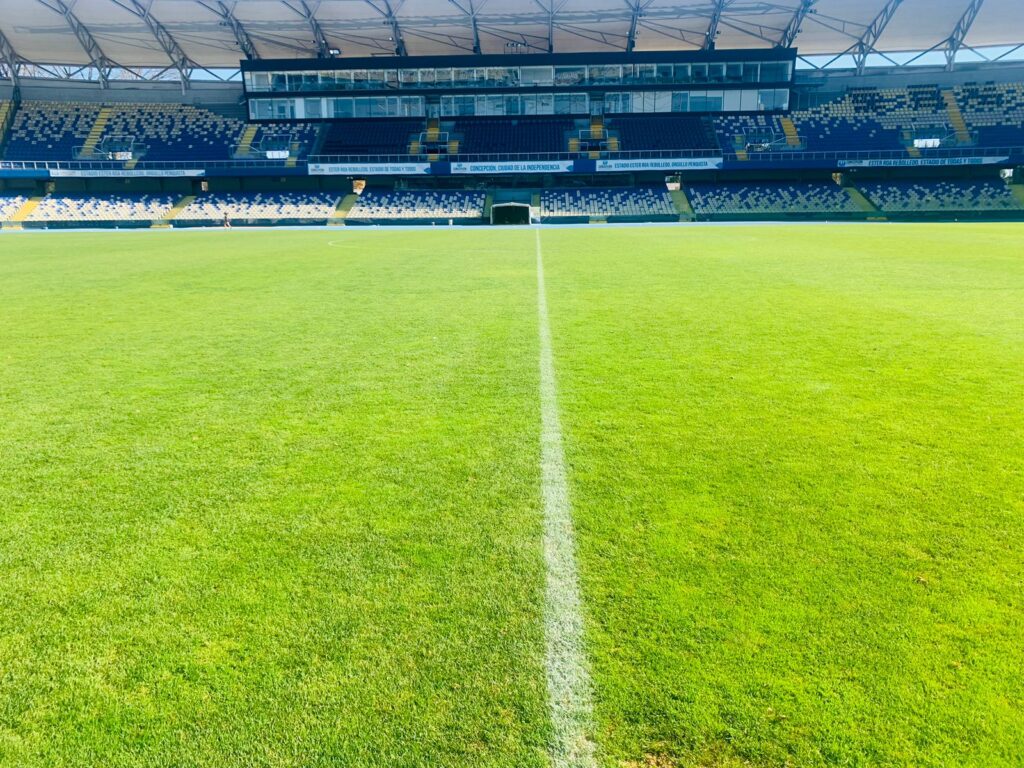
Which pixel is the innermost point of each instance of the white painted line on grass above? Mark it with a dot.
(569, 686)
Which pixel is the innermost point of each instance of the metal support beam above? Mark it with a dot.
(227, 16)
(963, 26)
(386, 10)
(867, 42)
(302, 8)
(471, 9)
(716, 18)
(550, 10)
(179, 59)
(793, 28)
(636, 8)
(97, 58)
(10, 61)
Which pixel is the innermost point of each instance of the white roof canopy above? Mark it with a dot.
(214, 34)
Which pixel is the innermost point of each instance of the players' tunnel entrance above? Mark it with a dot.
(510, 213)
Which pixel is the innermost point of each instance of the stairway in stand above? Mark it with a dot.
(96, 133)
(23, 213)
(956, 117)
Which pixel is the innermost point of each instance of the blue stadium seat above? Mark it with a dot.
(770, 197)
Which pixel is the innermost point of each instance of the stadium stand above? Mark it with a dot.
(995, 111)
(739, 132)
(770, 197)
(265, 206)
(10, 205)
(171, 132)
(633, 201)
(45, 130)
(370, 137)
(950, 196)
(97, 208)
(513, 136)
(153, 132)
(418, 205)
(664, 132)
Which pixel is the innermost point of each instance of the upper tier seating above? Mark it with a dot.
(155, 132)
(922, 196)
(662, 132)
(506, 135)
(45, 130)
(371, 137)
(994, 111)
(259, 205)
(770, 197)
(175, 132)
(746, 128)
(10, 205)
(299, 137)
(104, 208)
(847, 124)
(419, 205)
(642, 201)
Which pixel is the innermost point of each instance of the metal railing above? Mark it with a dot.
(782, 157)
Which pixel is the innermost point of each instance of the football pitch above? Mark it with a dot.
(617, 497)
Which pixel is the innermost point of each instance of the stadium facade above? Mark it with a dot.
(118, 112)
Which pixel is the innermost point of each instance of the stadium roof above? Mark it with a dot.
(183, 35)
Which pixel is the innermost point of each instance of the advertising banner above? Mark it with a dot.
(904, 162)
(525, 166)
(115, 173)
(368, 169)
(661, 164)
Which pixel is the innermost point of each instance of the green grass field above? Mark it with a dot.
(275, 498)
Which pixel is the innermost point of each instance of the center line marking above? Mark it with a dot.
(569, 686)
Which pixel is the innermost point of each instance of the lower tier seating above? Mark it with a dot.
(419, 205)
(104, 208)
(643, 201)
(923, 196)
(10, 205)
(259, 205)
(770, 197)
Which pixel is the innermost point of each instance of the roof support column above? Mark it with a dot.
(867, 42)
(963, 26)
(228, 18)
(97, 59)
(309, 14)
(793, 28)
(10, 61)
(388, 12)
(716, 17)
(471, 9)
(179, 60)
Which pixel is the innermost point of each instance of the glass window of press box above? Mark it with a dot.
(567, 76)
(471, 105)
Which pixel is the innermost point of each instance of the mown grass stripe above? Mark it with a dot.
(568, 675)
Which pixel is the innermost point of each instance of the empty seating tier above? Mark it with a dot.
(634, 202)
(65, 131)
(44, 130)
(257, 205)
(370, 137)
(939, 196)
(492, 136)
(112, 208)
(10, 205)
(663, 132)
(770, 197)
(418, 205)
